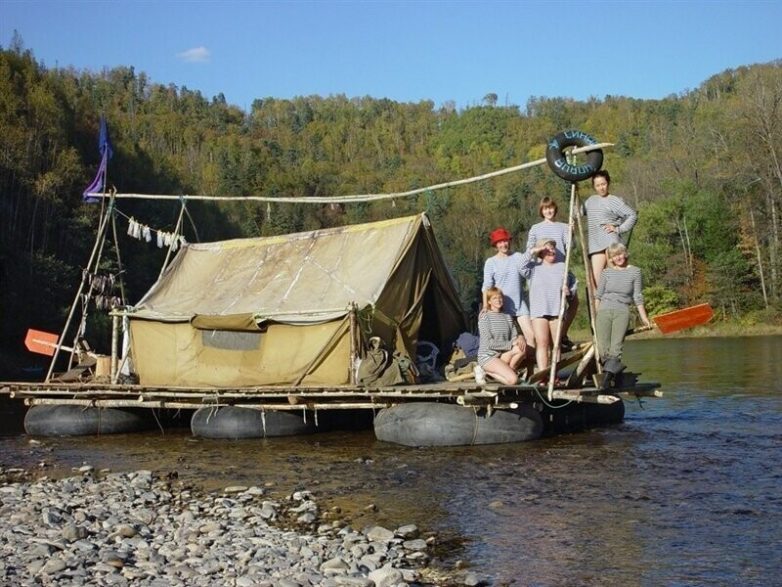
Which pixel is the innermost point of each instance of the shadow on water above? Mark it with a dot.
(688, 491)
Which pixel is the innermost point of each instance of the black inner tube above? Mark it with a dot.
(556, 159)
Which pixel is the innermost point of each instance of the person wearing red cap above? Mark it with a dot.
(504, 270)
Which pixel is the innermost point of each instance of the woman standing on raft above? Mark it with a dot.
(619, 287)
(559, 233)
(608, 220)
(549, 228)
(503, 271)
(500, 351)
(546, 278)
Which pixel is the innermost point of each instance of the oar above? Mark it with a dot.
(686, 318)
(44, 343)
(679, 319)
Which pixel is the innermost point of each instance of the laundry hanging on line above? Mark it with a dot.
(163, 238)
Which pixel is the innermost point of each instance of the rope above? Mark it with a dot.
(475, 426)
(351, 198)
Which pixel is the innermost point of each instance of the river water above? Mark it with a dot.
(687, 491)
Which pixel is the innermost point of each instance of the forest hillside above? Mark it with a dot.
(703, 168)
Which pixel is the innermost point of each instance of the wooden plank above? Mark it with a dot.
(568, 359)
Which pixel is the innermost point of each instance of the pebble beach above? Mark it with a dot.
(141, 528)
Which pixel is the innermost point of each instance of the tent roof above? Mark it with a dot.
(297, 278)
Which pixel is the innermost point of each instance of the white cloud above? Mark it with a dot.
(195, 55)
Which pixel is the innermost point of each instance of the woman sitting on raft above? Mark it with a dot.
(609, 219)
(500, 350)
(620, 286)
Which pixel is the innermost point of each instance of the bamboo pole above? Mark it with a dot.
(104, 222)
(555, 351)
(356, 197)
(590, 283)
(171, 244)
(114, 342)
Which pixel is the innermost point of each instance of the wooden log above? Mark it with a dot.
(479, 398)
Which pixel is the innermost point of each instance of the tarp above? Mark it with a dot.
(277, 310)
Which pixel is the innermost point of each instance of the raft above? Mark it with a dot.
(440, 424)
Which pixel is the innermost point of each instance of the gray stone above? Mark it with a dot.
(417, 544)
(386, 576)
(379, 534)
(53, 566)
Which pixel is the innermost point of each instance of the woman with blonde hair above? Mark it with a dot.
(620, 287)
(500, 351)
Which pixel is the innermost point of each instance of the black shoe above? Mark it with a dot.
(566, 344)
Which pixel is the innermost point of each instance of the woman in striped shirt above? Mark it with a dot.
(609, 220)
(619, 287)
(546, 278)
(559, 232)
(549, 228)
(503, 270)
(501, 350)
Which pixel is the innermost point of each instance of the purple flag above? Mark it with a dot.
(104, 148)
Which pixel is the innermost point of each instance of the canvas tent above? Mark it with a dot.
(293, 309)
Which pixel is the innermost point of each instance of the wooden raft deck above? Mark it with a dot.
(287, 397)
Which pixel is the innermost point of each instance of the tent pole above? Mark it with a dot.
(353, 343)
(171, 244)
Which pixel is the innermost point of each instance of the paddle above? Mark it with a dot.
(679, 319)
(43, 343)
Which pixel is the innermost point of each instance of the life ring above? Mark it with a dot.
(557, 160)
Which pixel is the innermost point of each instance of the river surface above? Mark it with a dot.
(687, 491)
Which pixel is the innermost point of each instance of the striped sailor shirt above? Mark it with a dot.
(620, 288)
(603, 210)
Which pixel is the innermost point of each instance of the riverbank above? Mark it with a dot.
(710, 330)
(140, 528)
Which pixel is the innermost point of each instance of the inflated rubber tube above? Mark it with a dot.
(579, 416)
(65, 420)
(234, 423)
(435, 424)
(557, 160)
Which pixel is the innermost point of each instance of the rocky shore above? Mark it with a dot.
(138, 528)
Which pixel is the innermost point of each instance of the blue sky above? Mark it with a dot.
(405, 51)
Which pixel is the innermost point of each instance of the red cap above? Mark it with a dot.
(499, 234)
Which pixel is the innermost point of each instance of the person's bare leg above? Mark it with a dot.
(525, 323)
(570, 314)
(513, 357)
(501, 371)
(598, 264)
(542, 341)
